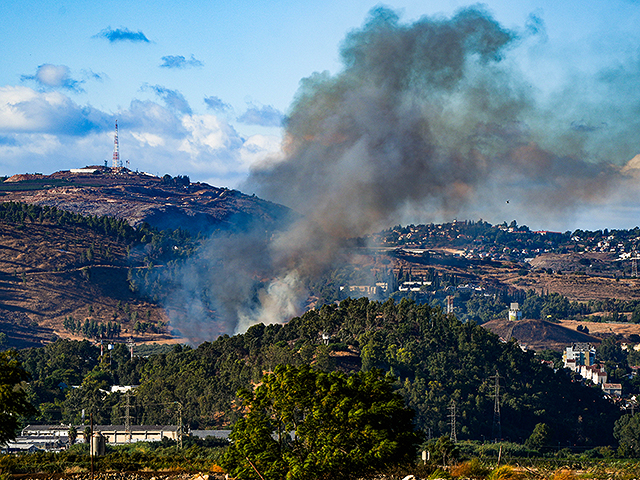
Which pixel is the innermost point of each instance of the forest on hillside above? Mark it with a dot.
(441, 367)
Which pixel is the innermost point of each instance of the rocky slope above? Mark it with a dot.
(163, 202)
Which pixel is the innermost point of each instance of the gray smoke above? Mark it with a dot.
(426, 121)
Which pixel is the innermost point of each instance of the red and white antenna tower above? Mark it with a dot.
(116, 151)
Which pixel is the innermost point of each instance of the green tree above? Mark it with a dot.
(303, 423)
(13, 396)
(443, 449)
(627, 432)
(73, 435)
(540, 436)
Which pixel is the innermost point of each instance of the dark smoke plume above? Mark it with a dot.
(426, 121)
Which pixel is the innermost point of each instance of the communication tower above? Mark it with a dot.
(131, 344)
(116, 151)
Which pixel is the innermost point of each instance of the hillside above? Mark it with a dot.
(435, 358)
(58, 269)
(50, 272)
(539, 334)
(162, 202)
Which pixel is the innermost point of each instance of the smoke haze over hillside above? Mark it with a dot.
(426, 122)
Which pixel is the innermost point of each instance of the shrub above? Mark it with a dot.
(505, 472)
(473, 469)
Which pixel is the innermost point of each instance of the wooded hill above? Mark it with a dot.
(443, 367)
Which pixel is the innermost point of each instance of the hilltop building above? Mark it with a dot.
(514, 312)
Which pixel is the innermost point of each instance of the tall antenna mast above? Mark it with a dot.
(116, 151)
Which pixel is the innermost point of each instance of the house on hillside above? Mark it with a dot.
(595, 373)
(612, 389)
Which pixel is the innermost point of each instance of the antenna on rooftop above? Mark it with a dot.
(116, 151)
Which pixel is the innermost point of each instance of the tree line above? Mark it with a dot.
(434, 358)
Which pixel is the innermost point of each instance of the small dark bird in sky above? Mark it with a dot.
(507, 201)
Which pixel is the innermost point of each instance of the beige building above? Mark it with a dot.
(115, 434)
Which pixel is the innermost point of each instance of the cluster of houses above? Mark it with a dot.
(581, 358)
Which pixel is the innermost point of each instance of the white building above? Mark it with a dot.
(579, 354)
(514, 312)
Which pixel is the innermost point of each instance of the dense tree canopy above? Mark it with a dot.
(13, 396)
(435, 358)
(627, 431)
(302, 423)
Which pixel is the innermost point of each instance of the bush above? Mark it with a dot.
(505, 472)
(473, 469)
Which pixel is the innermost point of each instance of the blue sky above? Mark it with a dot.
(201, 89)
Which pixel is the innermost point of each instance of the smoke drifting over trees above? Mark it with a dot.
(425, 122)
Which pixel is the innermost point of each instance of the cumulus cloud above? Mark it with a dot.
(178, 61)
(265, 116)
(46, 131)
(216, 104)
(122, 35)
(172, 98)
(54, 76)
(23, 109)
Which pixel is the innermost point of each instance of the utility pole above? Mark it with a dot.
(179, 425)
(496, 429)
(127, 418)
(452, 421)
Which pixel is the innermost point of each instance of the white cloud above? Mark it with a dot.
(258, 147)
(46, 132)
(55, 76)
(22, 109)
(208, 132)
(150, 139)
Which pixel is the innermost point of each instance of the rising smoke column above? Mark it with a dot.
(426, 120)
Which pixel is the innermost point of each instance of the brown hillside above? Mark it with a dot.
(538, 334)
(45, 277)
(137, 198)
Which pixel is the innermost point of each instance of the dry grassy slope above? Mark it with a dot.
(578, 287)
(539, 334)
(43, 279)
(141, 198)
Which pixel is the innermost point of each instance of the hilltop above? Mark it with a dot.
(162, 202)
(539, 334)
(71, 242)
(57, 271)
